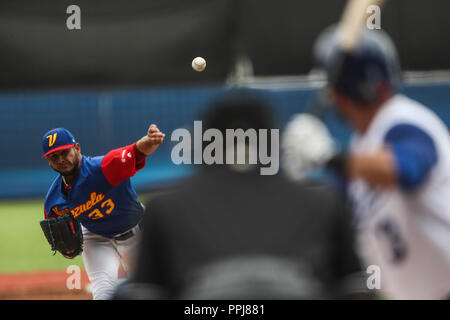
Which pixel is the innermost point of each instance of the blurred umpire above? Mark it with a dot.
(231, 233)
(398, 167)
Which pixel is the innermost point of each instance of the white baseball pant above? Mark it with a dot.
(102, 258)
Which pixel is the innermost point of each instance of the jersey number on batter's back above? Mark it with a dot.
(398, 248)
(97, 214)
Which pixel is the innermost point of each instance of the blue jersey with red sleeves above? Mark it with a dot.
(101, 197)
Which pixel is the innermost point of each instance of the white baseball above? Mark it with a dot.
(199, 64)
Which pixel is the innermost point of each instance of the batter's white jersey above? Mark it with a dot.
(406, 233)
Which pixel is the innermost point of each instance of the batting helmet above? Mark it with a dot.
(362, 73)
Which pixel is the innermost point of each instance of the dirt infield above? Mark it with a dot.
(49, 285)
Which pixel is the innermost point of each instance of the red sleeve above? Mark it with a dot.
(45, 213)
(120, 164)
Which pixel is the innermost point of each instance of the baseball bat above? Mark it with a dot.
(352, 21)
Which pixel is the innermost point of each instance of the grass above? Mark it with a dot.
(23, 246)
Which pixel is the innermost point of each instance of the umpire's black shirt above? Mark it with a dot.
(222, 213)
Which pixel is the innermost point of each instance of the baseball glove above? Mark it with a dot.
(64, 235)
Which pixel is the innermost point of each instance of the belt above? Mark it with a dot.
(128, 234)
